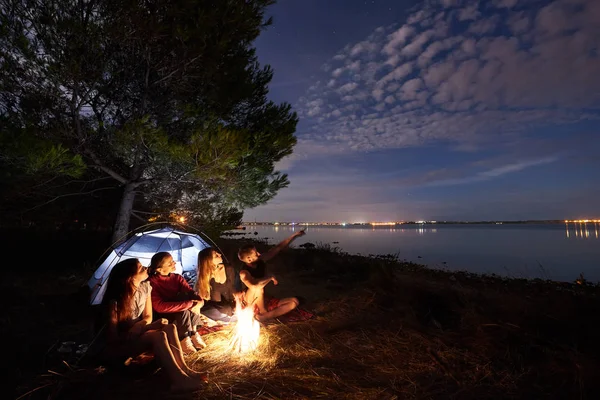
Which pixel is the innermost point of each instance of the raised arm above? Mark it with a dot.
(283, 244)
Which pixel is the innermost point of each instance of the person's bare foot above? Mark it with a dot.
(197, 341)
(198, 375)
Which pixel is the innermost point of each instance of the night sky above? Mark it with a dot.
(440, 110)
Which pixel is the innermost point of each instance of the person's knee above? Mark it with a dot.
(171, 328)
(159, 338)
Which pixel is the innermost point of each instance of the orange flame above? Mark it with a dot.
(246, 331)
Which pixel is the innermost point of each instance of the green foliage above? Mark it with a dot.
(24, 154)
(156, 95)
(56, 160)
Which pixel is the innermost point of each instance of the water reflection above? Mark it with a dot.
(581, 230)
(420, 231)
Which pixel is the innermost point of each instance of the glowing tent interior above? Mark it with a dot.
(183, 246)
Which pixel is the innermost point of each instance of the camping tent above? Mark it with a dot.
(183, 246)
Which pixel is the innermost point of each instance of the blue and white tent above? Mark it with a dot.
(183, 246)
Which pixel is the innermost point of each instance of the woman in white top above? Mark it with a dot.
(131, 330)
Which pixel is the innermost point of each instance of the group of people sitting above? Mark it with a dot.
(155, 309)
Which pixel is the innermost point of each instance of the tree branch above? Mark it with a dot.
(133, 214)
(99, 165)
(146, 212)
(193, 60)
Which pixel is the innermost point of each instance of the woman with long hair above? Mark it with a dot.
(130, 329)
(218, 296)
(174, 299)
(210, 265)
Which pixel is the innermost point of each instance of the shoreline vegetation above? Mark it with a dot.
(384, 329)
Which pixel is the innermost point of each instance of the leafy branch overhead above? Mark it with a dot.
(147, 93)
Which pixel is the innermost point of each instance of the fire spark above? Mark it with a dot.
(246, 331)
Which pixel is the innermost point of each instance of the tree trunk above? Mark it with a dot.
(124, 215)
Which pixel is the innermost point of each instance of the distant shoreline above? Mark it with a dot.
(342, 224)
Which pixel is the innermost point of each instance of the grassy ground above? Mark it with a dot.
(383, 330)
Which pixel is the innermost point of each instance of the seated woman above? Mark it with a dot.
(130, 330)
(217, 293)
(175, 300)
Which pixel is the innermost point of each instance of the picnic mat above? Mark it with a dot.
(205, 330)
(296, 315)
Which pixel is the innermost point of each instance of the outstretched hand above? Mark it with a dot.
(239, 298)
(301, 232)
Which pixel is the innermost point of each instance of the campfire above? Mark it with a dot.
(246, 331)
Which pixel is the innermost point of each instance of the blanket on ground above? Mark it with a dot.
(296, 315)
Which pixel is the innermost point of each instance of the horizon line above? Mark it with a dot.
(562, 220)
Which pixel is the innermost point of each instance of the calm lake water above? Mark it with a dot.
(548, 251)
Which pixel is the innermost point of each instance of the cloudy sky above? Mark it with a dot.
(437, 110)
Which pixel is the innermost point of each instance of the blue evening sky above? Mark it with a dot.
(437, 110)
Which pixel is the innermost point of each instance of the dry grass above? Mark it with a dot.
(384, 330)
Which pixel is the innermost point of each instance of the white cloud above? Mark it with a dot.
(398, 38)
(471, 12)
(484, 26)
(410, 86)
(337, 72)
(378, 94)
(434, 49)
(468, 46)
(363, 47)
(396, 74)
(354, 66)
(415, 46)
(348, 87)
(493, 173)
